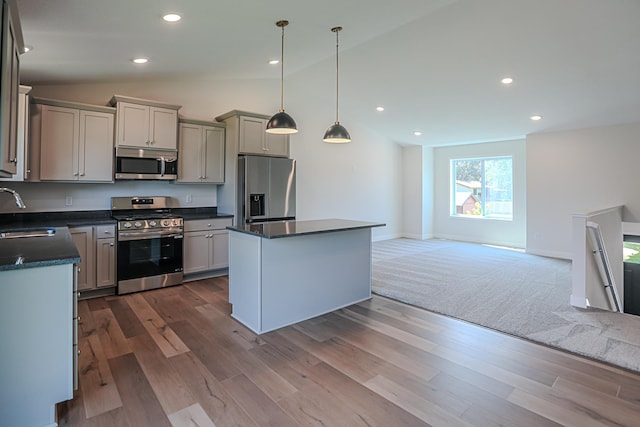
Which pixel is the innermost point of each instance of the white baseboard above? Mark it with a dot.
(386, 237)
(578, 302)
(550, 254)
(417, 236)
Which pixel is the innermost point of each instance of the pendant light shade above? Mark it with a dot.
(336, 133)
(281, 122)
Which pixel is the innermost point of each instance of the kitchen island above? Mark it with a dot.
(284, 272)
(37, 323)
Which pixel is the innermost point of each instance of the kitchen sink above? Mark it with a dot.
(33, 232)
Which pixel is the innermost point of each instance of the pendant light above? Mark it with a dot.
(337, 133)
(281, 122)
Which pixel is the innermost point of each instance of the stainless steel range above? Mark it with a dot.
(149, 243)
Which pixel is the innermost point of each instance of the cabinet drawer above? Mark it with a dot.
(103, 231)
(207, 224)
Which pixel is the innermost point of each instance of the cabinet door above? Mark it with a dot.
(252, 135)
(8, 95)
(105, 262)
(84, 241)
(213, 167)
(163, 128)
(133, 125)
(219, 254)
(277, 145)
(190, 153)
(96, 146)
(59, 144)
(196, 251)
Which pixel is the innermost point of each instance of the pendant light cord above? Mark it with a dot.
(282, 71)
(337, 30)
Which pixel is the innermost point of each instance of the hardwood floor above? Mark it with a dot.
(174, 357)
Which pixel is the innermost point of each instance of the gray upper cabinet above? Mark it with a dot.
(9, 82)
(145, 124)
(201, 152)
(76, 144)
(24, 160)
(254, 139)
(246, 135)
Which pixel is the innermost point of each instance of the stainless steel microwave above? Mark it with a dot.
(133, 163)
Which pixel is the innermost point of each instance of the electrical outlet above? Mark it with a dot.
(189, 198)
(68, 201)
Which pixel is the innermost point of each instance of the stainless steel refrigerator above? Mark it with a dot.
(266, 189)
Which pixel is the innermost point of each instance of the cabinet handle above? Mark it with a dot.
(14, 160)
(75, 174)
(78, 295)
(78, 269)
(110, 244)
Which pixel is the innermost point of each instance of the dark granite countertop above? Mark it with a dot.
(81, 218)
(200, 213)
(55, 219)
(278, 229)
(59, 249)
(28, 252)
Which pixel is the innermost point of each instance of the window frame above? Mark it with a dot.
(483, 188)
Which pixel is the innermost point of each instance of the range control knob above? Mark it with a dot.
(127, 225)
(166, 222)
(137, 224)
(152, 223)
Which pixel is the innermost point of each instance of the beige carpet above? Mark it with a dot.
(506, 290)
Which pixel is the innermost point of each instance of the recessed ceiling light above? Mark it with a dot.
(27, 48)
(274, 62)
(417, 133)
(536, 117)
(140, 60)
(380, 109)
(506, 81)
(172, 17)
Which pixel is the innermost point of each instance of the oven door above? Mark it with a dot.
(152, 254)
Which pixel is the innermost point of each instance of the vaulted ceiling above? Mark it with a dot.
(435, 65)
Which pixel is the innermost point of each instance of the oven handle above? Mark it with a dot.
(154, 235)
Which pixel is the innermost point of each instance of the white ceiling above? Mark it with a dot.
(435, 65)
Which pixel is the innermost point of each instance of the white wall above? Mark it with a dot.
(578, 171)
(417, 192)
(361, 180)
(499, 232)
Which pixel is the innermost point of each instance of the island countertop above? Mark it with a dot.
(27, 252)
(291, 228)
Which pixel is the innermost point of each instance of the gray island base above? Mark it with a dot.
(284, 272)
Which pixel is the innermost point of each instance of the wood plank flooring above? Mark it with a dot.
(174, 357)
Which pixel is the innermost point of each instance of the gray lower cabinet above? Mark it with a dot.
(206, 245)
(96, 245)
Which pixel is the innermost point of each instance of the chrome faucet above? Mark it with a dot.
(16, 196)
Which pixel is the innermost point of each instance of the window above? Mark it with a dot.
(482, 188)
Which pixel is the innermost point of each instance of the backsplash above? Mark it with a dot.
(54, 197)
